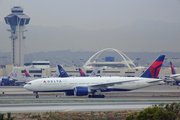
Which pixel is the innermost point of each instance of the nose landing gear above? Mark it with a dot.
(37, 96)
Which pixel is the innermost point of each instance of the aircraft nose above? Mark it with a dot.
(25, 86)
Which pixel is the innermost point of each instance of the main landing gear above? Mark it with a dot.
(96, 96)
(37, 96)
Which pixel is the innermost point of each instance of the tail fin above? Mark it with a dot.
(62, 72)
(26, 73)
(56, 74)
(81, 73)
(154, 69)
(13, 73)
(172, 68)
(94, 72)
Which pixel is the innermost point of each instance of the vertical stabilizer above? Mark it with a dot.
(62, 72)
(154, 69)
(172, 68)
(13, 73)
(26, 73)
(82, 73)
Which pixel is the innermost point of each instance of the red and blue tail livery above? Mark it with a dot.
(154, 69)
(26, 73)
(172, 68)
(81, 73)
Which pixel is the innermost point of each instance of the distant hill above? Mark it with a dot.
(142, 35)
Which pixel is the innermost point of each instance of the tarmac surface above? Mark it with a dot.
(74, 107)
(114, 101)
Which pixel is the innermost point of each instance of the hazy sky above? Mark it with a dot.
(94, 14)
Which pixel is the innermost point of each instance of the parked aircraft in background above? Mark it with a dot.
(62, 72)
(174, 76)
(82, 86)
(10, 79)
(56, 74)
(94, 73)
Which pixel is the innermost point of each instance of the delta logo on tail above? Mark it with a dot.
(81, 72)
(154, 69)
(26, 73)
(172, 68)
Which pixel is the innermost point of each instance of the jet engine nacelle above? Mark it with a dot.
(69, 93)
(80, 91)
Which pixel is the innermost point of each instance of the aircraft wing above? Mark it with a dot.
(153, 81)
(107, 84)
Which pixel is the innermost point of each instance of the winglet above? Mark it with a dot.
(154, 69)
(172, 68)
(62, 72)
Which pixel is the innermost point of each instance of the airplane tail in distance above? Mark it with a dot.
(94, 72)
(26, 73)
(172, 68)
(56, 74)
(62, 72)
(81, 73)
(13, 73)
(154, 69)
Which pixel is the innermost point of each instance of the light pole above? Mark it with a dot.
(46, 66)
(137, 60)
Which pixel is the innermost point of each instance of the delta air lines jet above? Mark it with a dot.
(174, 76)
(82, 86)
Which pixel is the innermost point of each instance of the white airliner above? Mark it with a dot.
(174, 76)
(82, 86)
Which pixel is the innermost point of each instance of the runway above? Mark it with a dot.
(86, 99)
(114, 101)
(74, 107)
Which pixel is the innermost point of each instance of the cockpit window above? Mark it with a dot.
(27, 83)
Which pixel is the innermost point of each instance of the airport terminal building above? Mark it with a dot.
(109, 67)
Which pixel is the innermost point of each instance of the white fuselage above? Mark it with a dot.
(176, 77)
(69, 83)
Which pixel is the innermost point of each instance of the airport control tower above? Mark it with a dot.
(17, 21)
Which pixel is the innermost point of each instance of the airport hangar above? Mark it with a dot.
(125, 68)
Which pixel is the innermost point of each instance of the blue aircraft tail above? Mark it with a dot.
(154, 69)
(81, 73)
(26, 73)
(62, 72)
(172, 68)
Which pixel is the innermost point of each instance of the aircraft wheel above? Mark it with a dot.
(89, 96)
(37, 96)
(102, 96)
